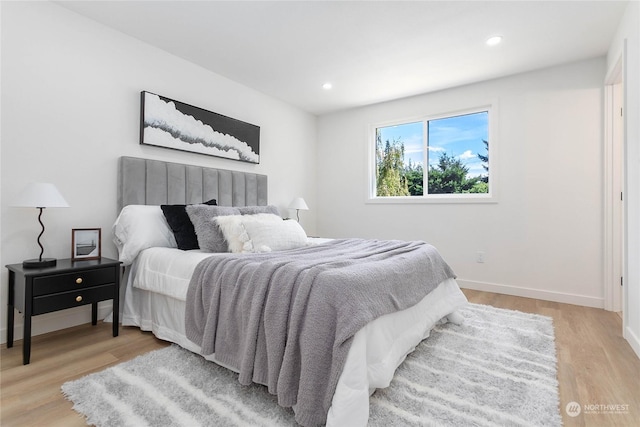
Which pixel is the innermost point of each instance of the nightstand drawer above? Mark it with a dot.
(62, 300)
(71, 281)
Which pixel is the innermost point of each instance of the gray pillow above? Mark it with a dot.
(210, 238)
(252, 210)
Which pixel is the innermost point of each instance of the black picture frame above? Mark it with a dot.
(86, 243)
(167, 123)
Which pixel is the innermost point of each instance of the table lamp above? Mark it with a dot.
(40, 195)
(298, 204)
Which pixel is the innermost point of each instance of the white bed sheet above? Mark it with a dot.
(155, 297)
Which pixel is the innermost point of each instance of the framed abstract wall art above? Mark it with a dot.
(172, 124)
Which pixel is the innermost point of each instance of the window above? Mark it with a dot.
(454, 148)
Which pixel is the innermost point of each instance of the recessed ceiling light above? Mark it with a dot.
(327, 86)
(492, 41)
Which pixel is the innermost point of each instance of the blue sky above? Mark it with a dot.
(458, 136)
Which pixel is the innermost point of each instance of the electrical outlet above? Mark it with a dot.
(480, 256)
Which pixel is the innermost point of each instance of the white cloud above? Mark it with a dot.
(476, 171)
(466, 155)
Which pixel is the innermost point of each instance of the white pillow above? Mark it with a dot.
(234, 232)
(275, 236)
(139, 227)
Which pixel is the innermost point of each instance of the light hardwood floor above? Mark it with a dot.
(596, 366)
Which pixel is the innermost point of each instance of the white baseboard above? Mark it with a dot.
(532, 293)
(55, 321)
(633, 340)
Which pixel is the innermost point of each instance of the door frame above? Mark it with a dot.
(613, 158)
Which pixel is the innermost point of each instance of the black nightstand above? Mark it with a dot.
(68, 284)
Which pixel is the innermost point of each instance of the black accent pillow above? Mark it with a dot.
(181, 225)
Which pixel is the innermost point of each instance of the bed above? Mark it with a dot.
(161, 294)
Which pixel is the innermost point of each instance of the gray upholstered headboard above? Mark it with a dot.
(154, 182)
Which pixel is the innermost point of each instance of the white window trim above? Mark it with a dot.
(491, 197)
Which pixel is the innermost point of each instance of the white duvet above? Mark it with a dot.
(155, 297)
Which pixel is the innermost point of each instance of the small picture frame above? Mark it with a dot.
(86, 243)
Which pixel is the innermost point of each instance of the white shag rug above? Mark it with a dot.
(497, 368)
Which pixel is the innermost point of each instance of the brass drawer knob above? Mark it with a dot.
(79, 298)
(79, 280)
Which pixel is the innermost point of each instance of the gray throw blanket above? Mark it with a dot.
(287, 319)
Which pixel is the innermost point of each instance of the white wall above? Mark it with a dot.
(71, 107)
(543, 238)
(629, 34)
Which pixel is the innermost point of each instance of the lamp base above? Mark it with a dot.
(39, 263)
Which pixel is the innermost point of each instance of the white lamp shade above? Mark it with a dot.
(40, 195)
(299, 203)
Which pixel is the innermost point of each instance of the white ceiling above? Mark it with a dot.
(370, 51)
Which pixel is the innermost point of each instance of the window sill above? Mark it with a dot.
(434, 199)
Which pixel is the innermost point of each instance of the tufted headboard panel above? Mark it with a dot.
(154, 182)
